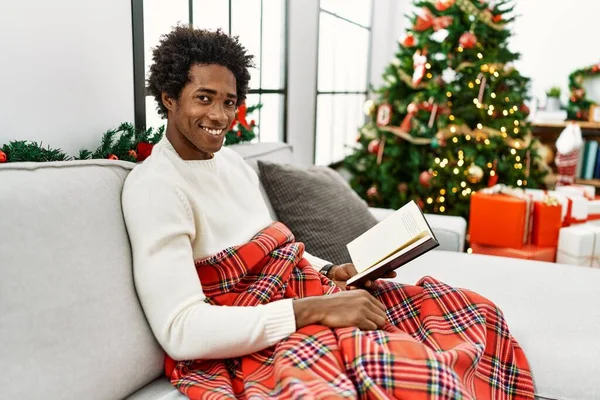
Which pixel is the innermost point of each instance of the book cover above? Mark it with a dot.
(597, 166)
(393, 242)
(592, 150)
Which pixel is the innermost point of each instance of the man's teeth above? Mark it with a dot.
(213, 131)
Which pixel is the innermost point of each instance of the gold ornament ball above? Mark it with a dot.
(474, 173)
(369, 107)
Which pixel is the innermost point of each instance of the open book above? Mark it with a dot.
(393, 242)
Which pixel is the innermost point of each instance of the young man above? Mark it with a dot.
(218, 279)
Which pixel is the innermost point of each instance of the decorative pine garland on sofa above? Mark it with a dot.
(124, 143)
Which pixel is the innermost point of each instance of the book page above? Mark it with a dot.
(388, 236)
(411, 248)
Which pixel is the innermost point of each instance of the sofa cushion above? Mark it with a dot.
(552, 310)
(72, 326)
(318, 206)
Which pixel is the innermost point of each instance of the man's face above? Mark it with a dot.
(204, 111)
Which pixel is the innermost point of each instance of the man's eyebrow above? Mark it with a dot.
(214, 92)
(206, 90)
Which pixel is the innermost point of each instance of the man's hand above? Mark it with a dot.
(339, 274)
(355, 308)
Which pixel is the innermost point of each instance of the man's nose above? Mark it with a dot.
(217, 113)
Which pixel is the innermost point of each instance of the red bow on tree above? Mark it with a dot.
(426, 20)
(240, 117)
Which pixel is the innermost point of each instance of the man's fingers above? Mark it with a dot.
(390, 274)
(378, 318)
(377, 304)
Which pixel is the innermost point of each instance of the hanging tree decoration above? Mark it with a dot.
(419, 62)
(426, 20)
(468, 40)
(493, 180)
(408, 40)
(474, 173)
(407, 121)
(443, 5)
(482, 79)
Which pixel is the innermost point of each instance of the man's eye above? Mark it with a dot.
(230, 103)
(203, 98)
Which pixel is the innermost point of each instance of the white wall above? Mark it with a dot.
(389, 24)
(66, 69)
(554, 38)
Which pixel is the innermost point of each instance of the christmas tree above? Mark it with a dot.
(450, 118)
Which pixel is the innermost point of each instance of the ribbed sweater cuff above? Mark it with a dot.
(281, 321)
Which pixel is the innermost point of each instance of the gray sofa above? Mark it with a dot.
(71, 326)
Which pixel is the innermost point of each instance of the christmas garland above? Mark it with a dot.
(124, 143)
(486, 16)
(579, 106)
(458, 130)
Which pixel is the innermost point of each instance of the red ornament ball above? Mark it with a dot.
(420, 203)
(402, 187)
(252, 122)
(373, 146)
(425, 178)
(3, 157)
(468, 40)
(497, 18)
(112, 157)
(372, 192)
(525, 109)
(408, 40)
(596, 68)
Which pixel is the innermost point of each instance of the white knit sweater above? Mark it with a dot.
(179, 211)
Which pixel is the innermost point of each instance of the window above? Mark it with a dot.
(342, 81)
(262, 28)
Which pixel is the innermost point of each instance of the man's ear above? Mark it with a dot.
(168, 101)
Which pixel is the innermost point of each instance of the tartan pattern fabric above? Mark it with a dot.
(440, 342)
(567, 167)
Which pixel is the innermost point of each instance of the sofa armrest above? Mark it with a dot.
(449, 230)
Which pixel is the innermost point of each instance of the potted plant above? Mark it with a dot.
(553, 101)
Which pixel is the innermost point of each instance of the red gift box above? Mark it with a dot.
(546, 223)
(527, 252)
(501, 220)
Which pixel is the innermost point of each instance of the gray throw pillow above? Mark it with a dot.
(318, 206)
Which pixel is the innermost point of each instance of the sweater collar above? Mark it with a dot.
(165, 144)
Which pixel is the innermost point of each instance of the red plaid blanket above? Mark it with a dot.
(440, 342)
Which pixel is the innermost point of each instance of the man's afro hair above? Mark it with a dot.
(185, 47)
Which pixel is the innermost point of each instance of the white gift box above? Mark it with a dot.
(594, 209)
(587, 191)
(579, 245)
(579, 208)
